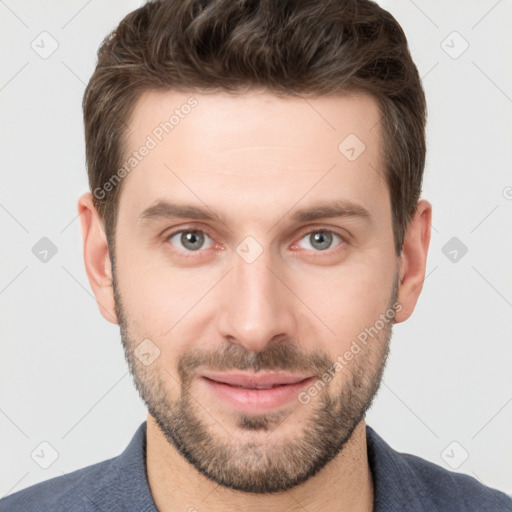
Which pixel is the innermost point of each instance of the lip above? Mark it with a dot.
(255, 380)
(255, 393)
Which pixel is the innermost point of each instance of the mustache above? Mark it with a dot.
(282, 357)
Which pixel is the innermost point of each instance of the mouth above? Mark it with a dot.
(253, 393)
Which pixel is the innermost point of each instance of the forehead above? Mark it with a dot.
(253, 147)
(256, 116)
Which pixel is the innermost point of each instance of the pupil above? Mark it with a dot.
(323, 239)
(192, 239)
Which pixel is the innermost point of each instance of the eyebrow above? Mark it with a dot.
(163, 209)
(340, 208)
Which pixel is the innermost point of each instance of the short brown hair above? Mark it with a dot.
(288, 47)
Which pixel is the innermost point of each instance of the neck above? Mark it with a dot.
(344, 484)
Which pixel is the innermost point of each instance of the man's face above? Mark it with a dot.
(259, 287)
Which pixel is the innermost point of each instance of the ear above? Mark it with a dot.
(413, 260)
(96, 257)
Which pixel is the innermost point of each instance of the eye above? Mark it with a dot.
(319, 240)
(190, 240)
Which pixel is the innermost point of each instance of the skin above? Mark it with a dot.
(256, 159)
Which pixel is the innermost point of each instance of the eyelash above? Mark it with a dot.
(330, 251)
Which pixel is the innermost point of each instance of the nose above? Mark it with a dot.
(257, 306)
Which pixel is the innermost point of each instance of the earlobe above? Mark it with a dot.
(413, 260)
(97, 257)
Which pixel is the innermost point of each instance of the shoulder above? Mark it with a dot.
(80, 490)
(117, 485)
(417, 484)
(456, 490)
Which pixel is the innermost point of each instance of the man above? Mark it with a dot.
(254, 227)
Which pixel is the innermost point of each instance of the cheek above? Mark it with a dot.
(342, 302)
(160, 300)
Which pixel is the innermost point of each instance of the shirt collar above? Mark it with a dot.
(133, 476)
(395, 483)
(389, 472)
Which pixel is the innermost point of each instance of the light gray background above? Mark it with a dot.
(63, 375)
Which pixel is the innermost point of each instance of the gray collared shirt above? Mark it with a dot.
(402, 483)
